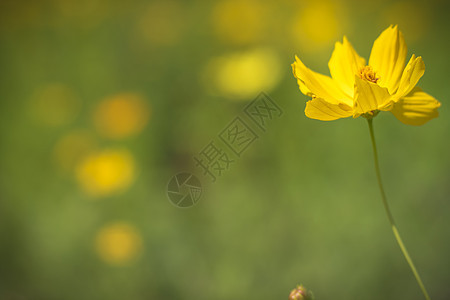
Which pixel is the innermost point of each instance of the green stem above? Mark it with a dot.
(391, 218)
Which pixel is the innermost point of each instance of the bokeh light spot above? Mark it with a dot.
(243, 75)
(121, 116)
(162, 23)
(118, 243)
(317, 25)
(105, 173)
(55, 105)
(238, 21)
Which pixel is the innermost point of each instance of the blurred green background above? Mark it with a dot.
(102, 102)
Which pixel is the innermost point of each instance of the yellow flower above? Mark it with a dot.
(356, 89)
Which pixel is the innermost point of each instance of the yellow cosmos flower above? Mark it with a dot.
(359, 89)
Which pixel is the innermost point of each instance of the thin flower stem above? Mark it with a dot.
(391, 218)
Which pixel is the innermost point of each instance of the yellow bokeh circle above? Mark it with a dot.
(242, 75)
(121, 116)
(118, 243)
(162, 23)
(239, 21)
(106, 172)
(318, 24)
(55, 105)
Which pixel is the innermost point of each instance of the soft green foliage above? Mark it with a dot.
(300, 205)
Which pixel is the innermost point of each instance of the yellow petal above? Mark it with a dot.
(301, 84)
(369, 96)
(416, 108)
(388, 57)
(320, 109)
(344, 64)
(312, 83)
(303, 88)
(411, 75)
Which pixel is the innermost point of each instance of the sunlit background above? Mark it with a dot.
(102, 102)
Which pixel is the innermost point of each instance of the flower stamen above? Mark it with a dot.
(367, 73)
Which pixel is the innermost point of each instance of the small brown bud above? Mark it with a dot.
(300, 293)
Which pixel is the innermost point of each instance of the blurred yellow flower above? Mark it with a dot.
(73, 147)
(55, 104)
(243, 75)
(239, 21)
(118, 243)
(306, 31)
(106, 172)
(162, 22)
(356, 89)
(121, 116)
(82, 13)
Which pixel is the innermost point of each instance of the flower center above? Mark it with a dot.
(367, 73)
